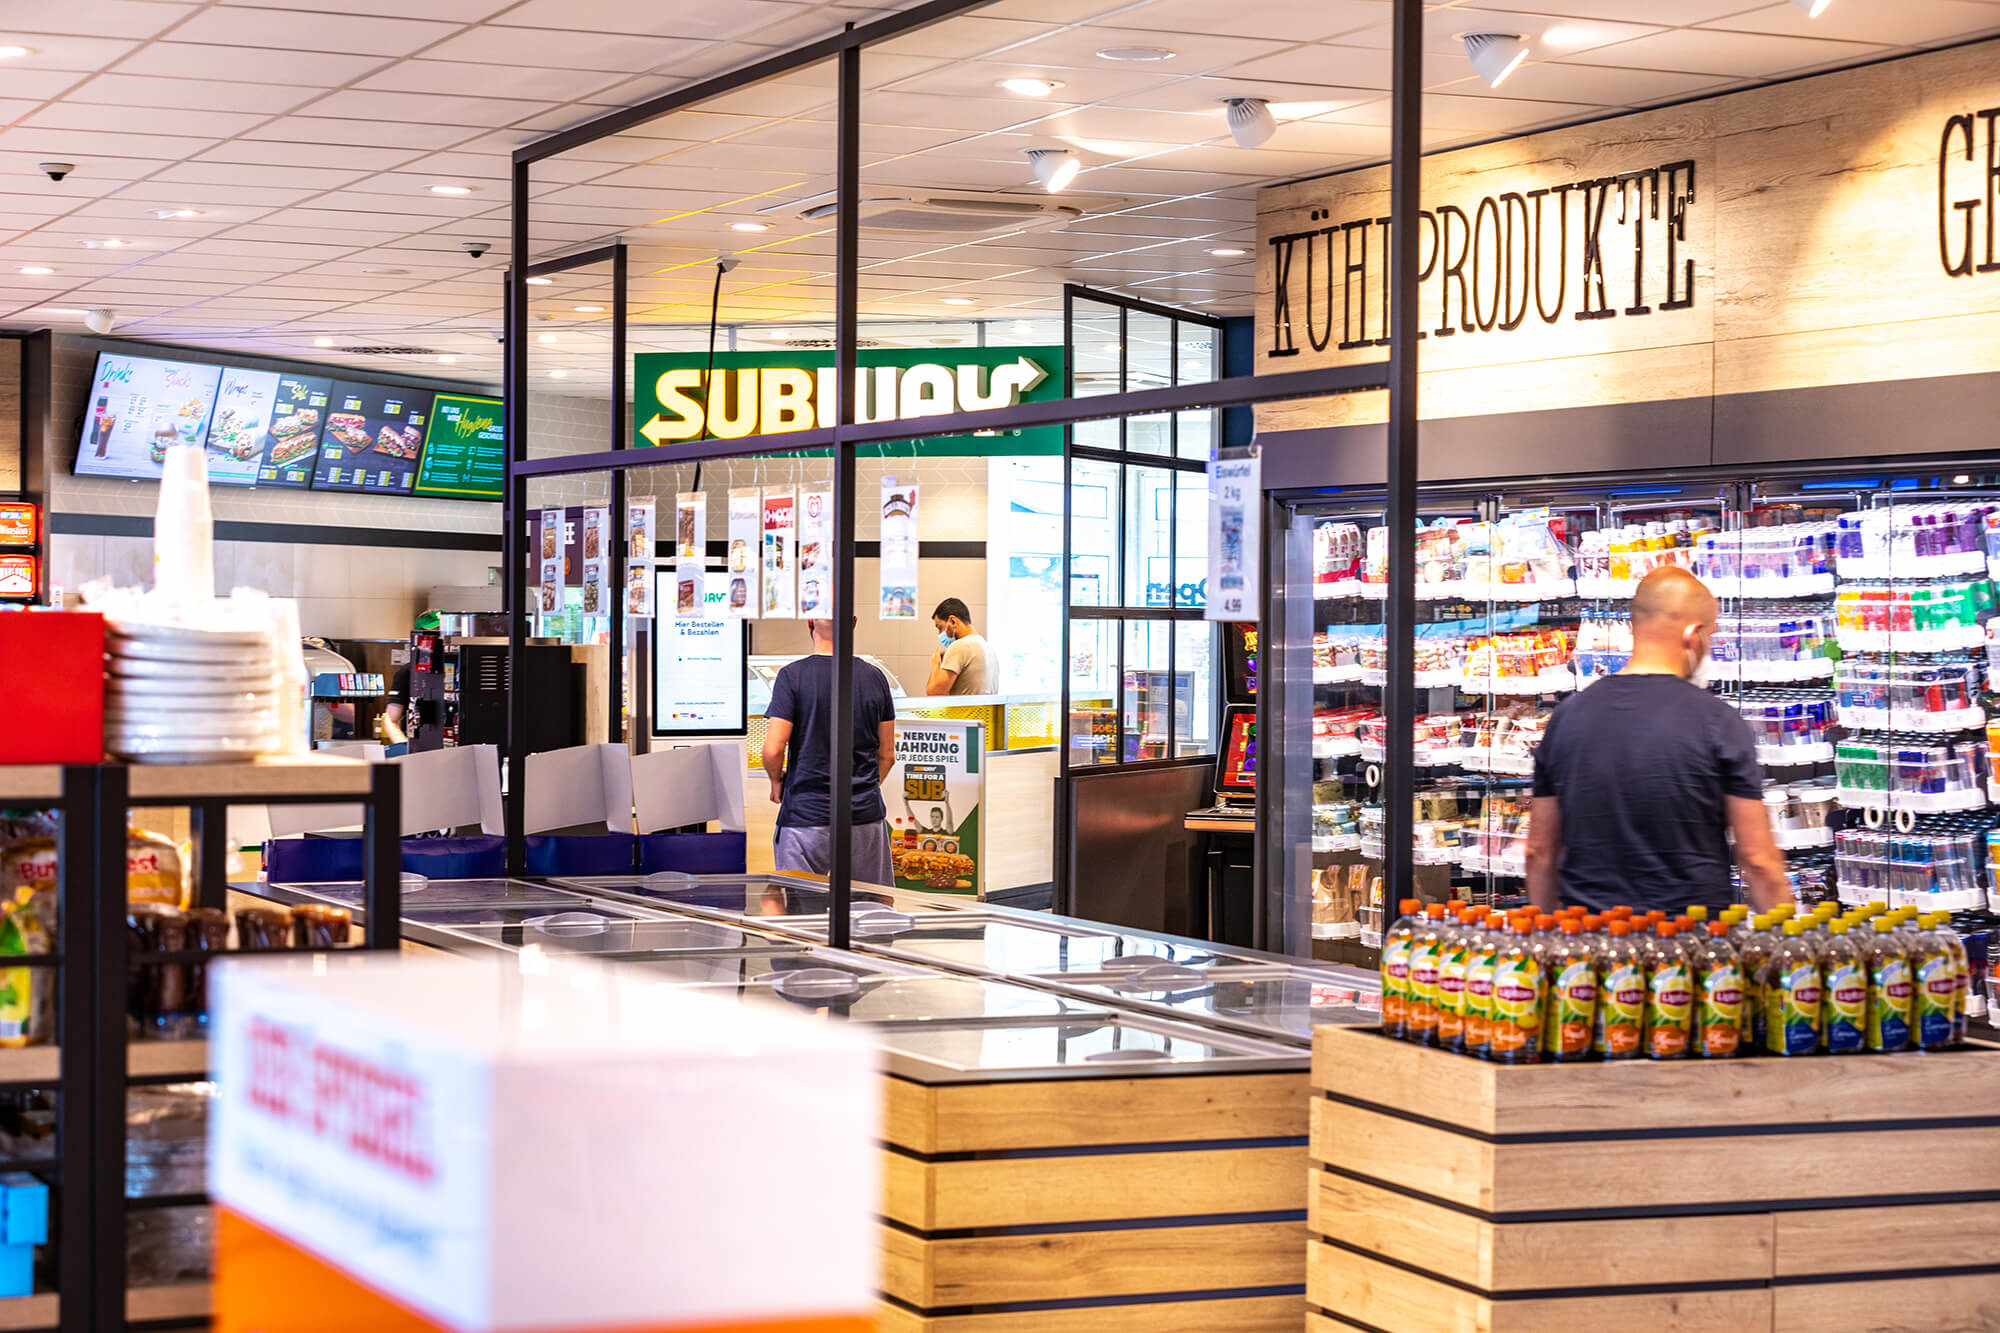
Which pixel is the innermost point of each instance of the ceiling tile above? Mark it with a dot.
(58, 53)
(647, 18)
(353, 156)
(92, 18)
(444, 76)
(240, 25)
(71, 115)
(1905, 22)
(314, 129)
(1703, 51)
(425, 108)
(1304, 23)
(559, 49)
(188, 94)
(451, 11)
(243, 64)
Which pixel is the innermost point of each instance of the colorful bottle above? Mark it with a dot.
(1962, 966)
(1425, 947)
(1669, 996)
(1718, 986)
(1396, 944)
(1697, 914)
(1620, 1021)
(1480, 956)
(1451, 982)
(1934, 989)
(1844, 1016)
(1572, 1002)
(1792, 993)
(1518, 995)
(1889, 987)
(1754, 957)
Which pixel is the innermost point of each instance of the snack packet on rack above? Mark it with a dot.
(154, 869)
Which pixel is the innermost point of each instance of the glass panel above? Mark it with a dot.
(995, 1050)
(1093, 720)
(1149, 570)
(1150, 434)
(1197, 359)
(1097, 362)
(1196, 434)
(1191, 540)
(1150, 698)
(1194, 662)
(1149, 364)
(1093, 540)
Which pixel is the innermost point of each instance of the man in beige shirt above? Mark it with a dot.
(963, 662)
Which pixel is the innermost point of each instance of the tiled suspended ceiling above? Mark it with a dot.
(305, 143)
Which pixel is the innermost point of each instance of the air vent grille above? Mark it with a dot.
(386, 349)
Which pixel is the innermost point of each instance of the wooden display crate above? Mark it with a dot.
(1171, 1204)
(1796, 1196)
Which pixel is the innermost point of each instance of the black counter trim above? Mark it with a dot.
(1097, 1302)
(1095, 1150)
(1118, 1224)
(290, 534)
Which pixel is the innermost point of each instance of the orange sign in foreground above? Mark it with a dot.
(265, 1284)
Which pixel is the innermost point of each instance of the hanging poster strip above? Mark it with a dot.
(690, 552)
(1233, 497)
(552, 561)
(641, 522)
(597, 561)
(746, 519)
(815, 559)
(781, 555)
(899, 550)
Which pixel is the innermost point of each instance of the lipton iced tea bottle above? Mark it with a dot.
(1844, 1012)
(1962, 967)
(1889, 988)
(1571, 967)
(1718, 986)
(1396, 944)
(1669, 996)
(1792, 989)
(1934, 989)
(1425, 946)
(1479, 960)
(1451, 982)
(1620, 1020)
(1516, 1035)
(1755, 960)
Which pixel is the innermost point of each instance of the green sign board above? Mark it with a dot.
(768, 393)
(465, 450)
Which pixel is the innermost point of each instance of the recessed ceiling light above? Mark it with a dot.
(749, 226)
(547, 338)
(780, 335)
(538, 282)
(1030, 87)
(386, 272)
(322, 342)
(451, 189)
(1495, 55)
(1228, 252)
(166, 213)
(1055, 168)
(37, 270)
(1813, 8)
(448, 360)
(558, 374)
(1250, 121)
(588, 309)
(14, 52)
(957, 300)
(108, 244)
(1134, 53)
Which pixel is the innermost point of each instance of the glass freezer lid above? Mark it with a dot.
(513, 914)
(1269, 999)
(976, 942)
(1105, 1046)
(599, 929)
(777, 900)
(832, 992)
(418, 891)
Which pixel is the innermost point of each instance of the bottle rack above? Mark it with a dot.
(94, 1061)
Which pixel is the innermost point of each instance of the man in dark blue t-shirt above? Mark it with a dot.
(795, 759)
(1639, 777)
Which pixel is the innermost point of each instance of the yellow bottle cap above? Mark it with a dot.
(1883, 925)
(1794, 927)
(1837, 927)
(1696, 912)
(1762, 921)
(1827, 911)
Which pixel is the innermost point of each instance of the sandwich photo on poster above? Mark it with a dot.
(744, 562)
(815, 564)
(899, 550)
(596, 561)
(781, 555)
(238, 430)
(373, 439)
(291, 441)
(640, 519)
(550, 545)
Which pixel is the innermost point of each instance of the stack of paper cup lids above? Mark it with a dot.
(183, 693)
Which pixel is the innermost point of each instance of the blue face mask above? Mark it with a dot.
(944, 639)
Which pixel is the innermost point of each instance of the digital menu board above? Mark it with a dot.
(291, 440)
(465, 451)
(372, 439)
(699, 664)
(139, 407)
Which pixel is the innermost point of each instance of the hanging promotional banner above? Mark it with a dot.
(1234, 500)
(597, 561)
(690, 552)
(899, 550)
(781, 555)
(552, 561)
(934, 792)
(746, 540)
(641, 522)
(815, 555)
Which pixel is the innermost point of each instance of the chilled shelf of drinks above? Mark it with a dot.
(1575, 986)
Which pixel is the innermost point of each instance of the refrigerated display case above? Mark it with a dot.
(1852, 636)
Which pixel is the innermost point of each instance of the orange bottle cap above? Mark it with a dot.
(1667, 929)
(1410, 905)
(1572, 926)
(1545, 923)
(1620, 929)
(1593, 922)
(1717, 930)
(1435, 911)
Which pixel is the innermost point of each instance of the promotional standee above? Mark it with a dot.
(898, 564)
(412, 1146)
(641, 520)
(1235, 496)
(934, 793)
(743, 592)
(690, 554)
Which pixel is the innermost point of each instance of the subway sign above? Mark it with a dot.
(770, 393)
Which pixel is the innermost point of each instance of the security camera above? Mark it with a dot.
(500, 335)
(55, 171)
(100, 319)
(727, 262)
(475, 248)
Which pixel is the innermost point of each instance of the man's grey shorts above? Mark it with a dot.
(810, 849)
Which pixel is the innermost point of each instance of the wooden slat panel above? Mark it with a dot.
(1394, 1300)
(1883, 1240)
(1910, 1305)
(1030, 1191)
(1263, 1314)
(1522, 1256)
(1509, 1178)
(1063, 1113)
(1071, 1265)
(1457, 1090)
(909, 1115)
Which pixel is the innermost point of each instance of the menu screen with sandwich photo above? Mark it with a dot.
(372, 439)
(291, 440)
(465, 451)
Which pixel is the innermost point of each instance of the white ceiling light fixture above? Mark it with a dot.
(100, 319)
(1135, 54)
(1813, 8)
(1054, 168)
(451, 189)
(37, 271)
(588, 309)
(447, 360)
(110, 243)
(1251, 123)
(322, 342)
(956, 300)
(558, 374)
(169, 214)
(1495, 55)
(748, 226)
(15, 52)
(546, 338)
(1228, 252)
(1030, 87)
(538, 282)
